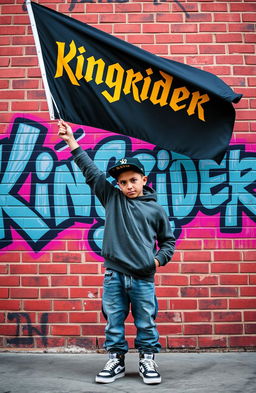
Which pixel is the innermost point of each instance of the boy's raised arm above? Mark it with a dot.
(95, 178)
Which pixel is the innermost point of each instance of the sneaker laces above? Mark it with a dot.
(149, 364)
(111, 363)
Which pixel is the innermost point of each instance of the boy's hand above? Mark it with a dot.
(157, 263)
(65, 133)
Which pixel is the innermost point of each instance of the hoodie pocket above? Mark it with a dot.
(147, 264)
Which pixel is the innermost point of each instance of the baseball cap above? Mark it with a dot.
(126, 164)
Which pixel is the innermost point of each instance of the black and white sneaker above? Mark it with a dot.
(114, 368)
(148, 369)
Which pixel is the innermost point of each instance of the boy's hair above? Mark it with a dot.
(126, 164)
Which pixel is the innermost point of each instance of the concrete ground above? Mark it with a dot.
(232, 372)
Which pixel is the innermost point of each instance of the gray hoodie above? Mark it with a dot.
(132, 225)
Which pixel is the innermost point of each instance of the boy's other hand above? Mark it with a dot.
(66, 133)
(157, 263)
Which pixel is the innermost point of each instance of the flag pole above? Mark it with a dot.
(49, 97)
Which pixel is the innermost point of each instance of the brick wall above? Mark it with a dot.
(50, 269)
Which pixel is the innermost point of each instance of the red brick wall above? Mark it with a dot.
(50, 293)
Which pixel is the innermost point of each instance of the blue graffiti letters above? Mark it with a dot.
(42, 196)
(69, 186)
(13, 208)
(242, 179)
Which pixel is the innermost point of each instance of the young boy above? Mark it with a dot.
(134, 224)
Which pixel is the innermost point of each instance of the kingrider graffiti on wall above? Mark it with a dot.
(43, 192)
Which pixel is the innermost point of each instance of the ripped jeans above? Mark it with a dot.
(119, 292)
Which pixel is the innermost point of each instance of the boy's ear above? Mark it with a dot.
(145, 179)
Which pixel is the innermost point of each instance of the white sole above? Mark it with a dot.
(152, 381)
(99, 379)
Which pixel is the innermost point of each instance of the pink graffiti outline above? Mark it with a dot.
(77, 233)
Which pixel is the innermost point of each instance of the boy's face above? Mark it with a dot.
(131, 183)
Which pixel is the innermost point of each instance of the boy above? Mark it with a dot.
(134, 223)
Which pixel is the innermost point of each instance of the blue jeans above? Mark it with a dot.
(119, 292)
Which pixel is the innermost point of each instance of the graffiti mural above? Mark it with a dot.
(155, 2)
(28, 329)
(43, 194)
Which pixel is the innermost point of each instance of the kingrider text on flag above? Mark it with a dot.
(121, 81)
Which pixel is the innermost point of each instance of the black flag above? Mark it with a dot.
(98, 80)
